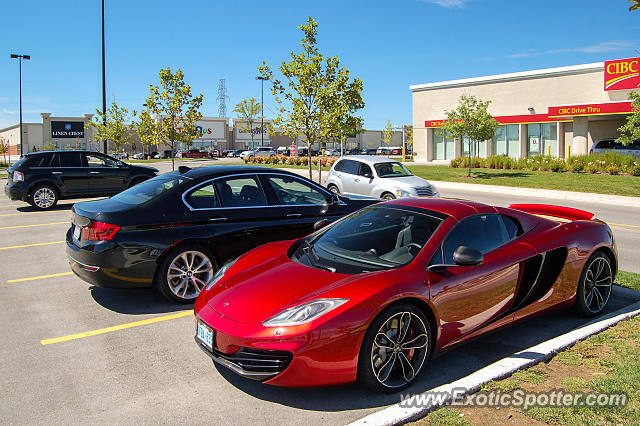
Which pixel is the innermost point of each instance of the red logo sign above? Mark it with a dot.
(622, 74)
(623, 107)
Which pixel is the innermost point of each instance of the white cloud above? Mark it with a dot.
(606, 46)
(447, 3)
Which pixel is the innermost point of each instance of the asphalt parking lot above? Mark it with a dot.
(73, 353)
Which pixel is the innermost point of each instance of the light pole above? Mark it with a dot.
(104, 94)
(262, 79)
(20, 58)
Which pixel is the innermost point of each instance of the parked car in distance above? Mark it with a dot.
(138, 156)
(235, 153)
(167, 153)
(369, 151)
(331, 152)
(373, 297)
(43, 178)
(176, 230)
(610, 145)
(353, 152)
(247, 153)
(283, 150)
(376, 177)
(265, 151)
(192, 153)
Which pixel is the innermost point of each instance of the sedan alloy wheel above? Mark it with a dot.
(185, 272)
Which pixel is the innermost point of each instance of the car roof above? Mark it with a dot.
(449, 206)
(213, 171)
(369, 159)
(26, 154)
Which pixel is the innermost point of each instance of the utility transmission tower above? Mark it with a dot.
(222, 98)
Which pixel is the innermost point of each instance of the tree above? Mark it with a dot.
(472, 120)
(4, 149)
(408, 136)
(316, 96)
(148, 130)
(49, 146)
(635, 4)
(112, 127)
(177, 109)
(387, 134)
(630, 131)
(248, 111)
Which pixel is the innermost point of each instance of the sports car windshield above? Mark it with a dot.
(374, 238)
(391, 169)
(150, 189)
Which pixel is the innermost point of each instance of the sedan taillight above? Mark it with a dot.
(99, 231)
(18, 176)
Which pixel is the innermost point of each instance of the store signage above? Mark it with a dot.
(210, 130)
(508, 119)
(67, 129)
(623, 107)
(434, 123)
(622, 74)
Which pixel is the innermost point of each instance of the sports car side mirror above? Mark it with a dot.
(467, 256)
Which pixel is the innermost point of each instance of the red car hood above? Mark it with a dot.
(265, 281)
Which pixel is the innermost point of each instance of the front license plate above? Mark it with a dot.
(205, 335)
(76, 232)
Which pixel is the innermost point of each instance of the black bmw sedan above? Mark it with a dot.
(175, 230)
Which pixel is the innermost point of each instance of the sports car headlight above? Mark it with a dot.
(218, 276)
(304, 313)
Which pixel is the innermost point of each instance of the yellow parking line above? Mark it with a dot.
(30, 226)
(115, 328)
(18, 214)
(622, 224)
(620, 228)
(31, 245)
(19, 280)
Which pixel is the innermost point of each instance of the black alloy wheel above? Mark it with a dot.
(596, 283)
(395, 349)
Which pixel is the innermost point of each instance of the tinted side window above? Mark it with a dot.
(203, 197)
(482, 232)
(69, 159)
(55, 160)
(99, 161)
(350, 166)
(604, 145)
(42, 160)
(365, 170)
(514, 229)
(338, 166)
(240, 192)
(291, 191)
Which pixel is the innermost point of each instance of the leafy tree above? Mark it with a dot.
(472, 120)
(248, 111)
(112, 127)
(408, 136)
(49, 146)
(635, 4)
(349, 128)
(316, 96)
(387, 134)
(630, 131)
(178, 110)
(147, 129)
(4, 149)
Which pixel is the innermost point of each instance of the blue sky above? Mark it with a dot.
(390, 45)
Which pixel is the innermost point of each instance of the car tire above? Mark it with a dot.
(333, 188)
(184, 272)
(595, 285)
(43, 197)
(387, 196)
(389, 363)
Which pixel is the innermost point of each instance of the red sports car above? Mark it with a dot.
(375, 295)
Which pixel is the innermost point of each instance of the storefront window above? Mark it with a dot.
(542, 139)
(478, 148)
(443, 145)
(507, 141)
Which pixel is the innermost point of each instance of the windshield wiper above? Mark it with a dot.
(311, 254)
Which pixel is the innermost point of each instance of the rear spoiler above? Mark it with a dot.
(559, 212)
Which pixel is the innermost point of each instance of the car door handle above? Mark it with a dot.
(94, 173)
(294, 214)
(340, 176)
(357, 180)
(56, 173)
(218, 219)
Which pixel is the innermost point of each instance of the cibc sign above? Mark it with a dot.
(622, 74)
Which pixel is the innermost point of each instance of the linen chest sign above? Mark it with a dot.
(622, 74)
(67, 129)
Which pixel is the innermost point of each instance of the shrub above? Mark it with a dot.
(634, 171)
(612, 169)
(577, 167)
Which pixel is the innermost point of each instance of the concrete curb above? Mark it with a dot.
(619, 200)
(505, 367)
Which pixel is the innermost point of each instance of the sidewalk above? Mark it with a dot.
(619, 200)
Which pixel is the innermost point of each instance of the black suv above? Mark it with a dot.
(42, 178)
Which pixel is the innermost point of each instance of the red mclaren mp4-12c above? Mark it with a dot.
(374, 296)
